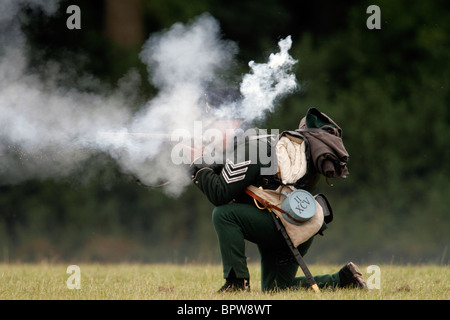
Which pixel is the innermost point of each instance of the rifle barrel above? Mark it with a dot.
(140, 135)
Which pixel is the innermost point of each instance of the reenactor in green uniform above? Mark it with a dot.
(236, 218)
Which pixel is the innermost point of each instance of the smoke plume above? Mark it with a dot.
(50, 131)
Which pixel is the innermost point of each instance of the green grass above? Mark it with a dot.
(201, 281)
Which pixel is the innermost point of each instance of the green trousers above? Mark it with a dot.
(234, 223)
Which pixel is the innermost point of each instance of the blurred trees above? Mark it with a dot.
(388, 89)
(124, 22)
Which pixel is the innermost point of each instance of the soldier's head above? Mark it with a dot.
(221, 108)
(221, 99)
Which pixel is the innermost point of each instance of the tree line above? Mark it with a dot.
(387, 88)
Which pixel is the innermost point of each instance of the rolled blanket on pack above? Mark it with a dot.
(291, 159)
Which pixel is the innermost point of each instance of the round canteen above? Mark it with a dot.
(299, 206)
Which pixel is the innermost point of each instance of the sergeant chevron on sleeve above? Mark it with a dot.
(224, 183)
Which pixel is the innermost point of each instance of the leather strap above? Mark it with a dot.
(269, 206)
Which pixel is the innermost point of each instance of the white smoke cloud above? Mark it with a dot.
(268, 82)
(49, 131)
(46, 130)
(182, 62)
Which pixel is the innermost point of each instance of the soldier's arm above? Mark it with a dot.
(220, 187)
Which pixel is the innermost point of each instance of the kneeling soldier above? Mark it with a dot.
(236, 218)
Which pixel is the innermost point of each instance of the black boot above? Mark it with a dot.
(351, 277)
(235, 284)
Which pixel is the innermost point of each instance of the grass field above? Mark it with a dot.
(200, 282)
